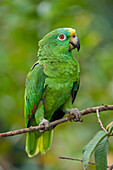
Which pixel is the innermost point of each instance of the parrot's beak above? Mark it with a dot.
(74, 43)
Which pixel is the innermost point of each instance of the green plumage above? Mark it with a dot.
(51, 87)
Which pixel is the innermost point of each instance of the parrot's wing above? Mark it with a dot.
(33, 91)
(75, 88)
(36, 141)
(60, 113)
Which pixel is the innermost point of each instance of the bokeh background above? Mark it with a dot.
(22, 24)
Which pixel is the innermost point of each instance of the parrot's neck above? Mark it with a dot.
(65, 68)
(55, 56)
(62, 66)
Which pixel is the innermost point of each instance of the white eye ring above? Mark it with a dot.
(62, 37)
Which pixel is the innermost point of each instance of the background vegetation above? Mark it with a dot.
(22, 24)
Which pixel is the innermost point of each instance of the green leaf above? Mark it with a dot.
(101, 154)
(90, 147)
(110, 127)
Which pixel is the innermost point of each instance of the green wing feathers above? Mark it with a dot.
(34, 111)
(33, 91)
(75, 88)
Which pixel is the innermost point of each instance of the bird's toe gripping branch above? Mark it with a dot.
(46, 123)
(76, 113)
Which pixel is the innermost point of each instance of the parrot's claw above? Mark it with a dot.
(46, 123)
(76, 113)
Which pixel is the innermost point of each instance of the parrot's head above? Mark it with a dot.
(62, 41)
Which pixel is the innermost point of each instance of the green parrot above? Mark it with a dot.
(51, 87)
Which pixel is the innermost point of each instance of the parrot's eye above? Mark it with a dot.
(62, 37)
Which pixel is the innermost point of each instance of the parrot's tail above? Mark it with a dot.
(38, 142)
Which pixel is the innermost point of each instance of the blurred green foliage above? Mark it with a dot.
(22, 24)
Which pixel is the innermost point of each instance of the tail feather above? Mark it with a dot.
(44, 141)
(31, 144)
(38, 142)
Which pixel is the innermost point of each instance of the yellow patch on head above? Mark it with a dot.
(72, 31)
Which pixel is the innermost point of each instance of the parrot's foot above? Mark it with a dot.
(46, 123)
(76, 113)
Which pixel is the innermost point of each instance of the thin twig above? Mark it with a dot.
(74, 159)
(80, 160)
(56, 122)
(100, 122)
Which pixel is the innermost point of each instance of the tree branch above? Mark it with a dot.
(56, 122)
(110, 167)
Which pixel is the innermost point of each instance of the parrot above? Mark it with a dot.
(51, 87)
